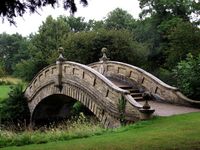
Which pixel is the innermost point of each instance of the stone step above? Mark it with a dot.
(138, 98)
(136, 94)
(132, 90)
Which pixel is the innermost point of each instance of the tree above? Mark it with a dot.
(43, 47)
(9, 9)
(94, 25)
(119, 19)
(85, 47)
(183, 38)
(10, 46)
(161, 19)
(76, 24)
(165, 8)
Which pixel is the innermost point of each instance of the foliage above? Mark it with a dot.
(15, 108)
(11, 9)
(26, 69)
(164, 8)
(12, 50)
(84, 47)
(78, 108)
(119, 19)
(81, 128)
(165, 75)
(188, 76)
(44, 45)
(2, 70)
(184, 38)
(167, 28)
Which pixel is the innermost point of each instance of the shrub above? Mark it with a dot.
(188, 76)
(15, 108)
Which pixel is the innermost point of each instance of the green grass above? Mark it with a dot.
(176, 132)
(4, 90)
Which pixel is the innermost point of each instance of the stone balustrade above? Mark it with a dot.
(151, 83)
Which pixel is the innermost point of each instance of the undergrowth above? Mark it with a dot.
(66, 130)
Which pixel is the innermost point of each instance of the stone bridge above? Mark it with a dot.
(114, 92)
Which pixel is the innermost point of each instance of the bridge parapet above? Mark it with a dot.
(41, 77)
(75, 71)
(151, 83)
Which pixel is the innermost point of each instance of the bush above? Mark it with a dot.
(188, 76)
(15, 108)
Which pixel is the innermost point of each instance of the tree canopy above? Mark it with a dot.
(10, 9)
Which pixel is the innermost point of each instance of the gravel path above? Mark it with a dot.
(161, 108)
(165, 109)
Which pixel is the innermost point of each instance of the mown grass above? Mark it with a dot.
(176, 132)
(4, 90)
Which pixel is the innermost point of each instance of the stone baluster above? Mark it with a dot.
(59, 63)
(146, 111)
(103, 60)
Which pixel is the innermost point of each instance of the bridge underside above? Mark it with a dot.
(56, 108)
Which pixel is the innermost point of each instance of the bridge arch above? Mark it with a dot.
(86, 85)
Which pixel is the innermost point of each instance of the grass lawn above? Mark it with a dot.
(4, 90)
(175, 132)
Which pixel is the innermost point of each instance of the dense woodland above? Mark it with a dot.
(164, 41)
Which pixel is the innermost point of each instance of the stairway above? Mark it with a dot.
(135, 93)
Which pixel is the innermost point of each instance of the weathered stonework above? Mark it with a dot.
(86, 85)
(146, 80)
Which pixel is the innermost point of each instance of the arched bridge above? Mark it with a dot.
(112, 91)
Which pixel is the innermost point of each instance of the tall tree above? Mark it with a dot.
(49, 38)
(10, 46)
(164, 8)
(162, 19)
(119, 19)
(76, 24)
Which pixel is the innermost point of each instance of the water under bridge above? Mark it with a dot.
(113, 91)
